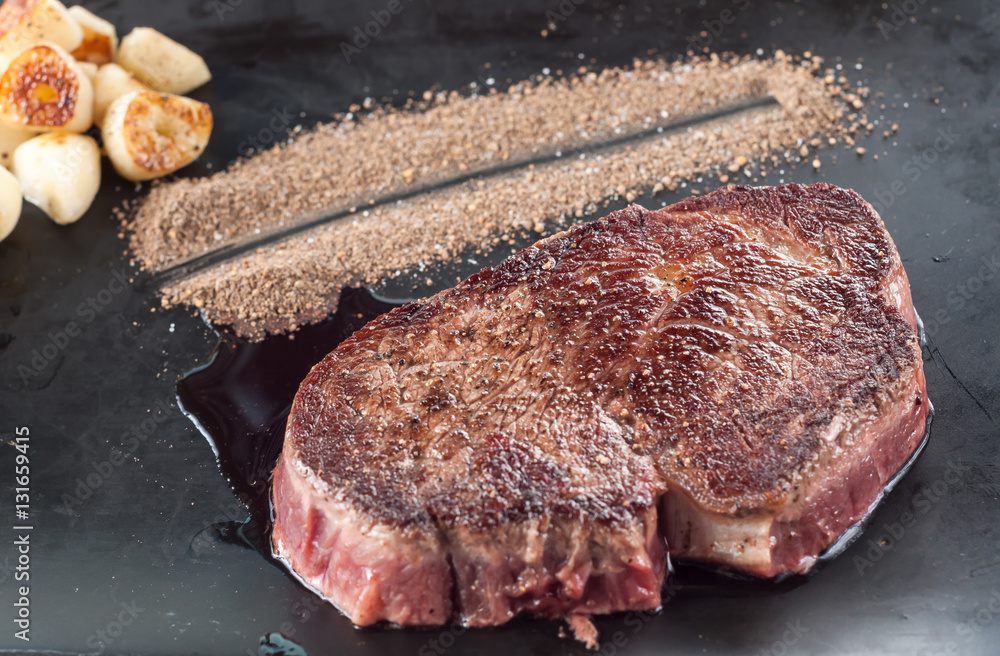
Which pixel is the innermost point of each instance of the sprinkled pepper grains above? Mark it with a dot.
(474, 171)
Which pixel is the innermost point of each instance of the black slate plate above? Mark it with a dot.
(125, 492)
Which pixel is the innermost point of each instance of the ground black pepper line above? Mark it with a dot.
(277, 287)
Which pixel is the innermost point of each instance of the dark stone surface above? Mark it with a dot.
(923, 579)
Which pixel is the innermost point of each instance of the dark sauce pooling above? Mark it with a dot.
(241, 399)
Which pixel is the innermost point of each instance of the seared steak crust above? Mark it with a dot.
(738, 374)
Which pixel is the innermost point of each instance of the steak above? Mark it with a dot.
(731, 380)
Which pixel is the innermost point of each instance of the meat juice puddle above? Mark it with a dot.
(241, 399)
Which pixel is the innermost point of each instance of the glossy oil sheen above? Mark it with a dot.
(241, 398)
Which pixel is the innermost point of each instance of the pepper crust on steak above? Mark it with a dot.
(731, 380)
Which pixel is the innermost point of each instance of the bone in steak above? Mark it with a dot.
(731, 380)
